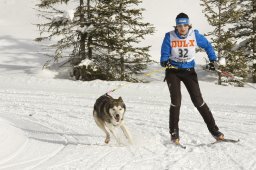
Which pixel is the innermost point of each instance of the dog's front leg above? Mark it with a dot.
(111, 129)
(126, 133)
(101, 125)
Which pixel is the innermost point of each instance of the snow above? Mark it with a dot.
(12, 137)
(69, 14)
(222, 61)
(86, 29)
(61, 133)
(47, 123)
(57, 18)
(86, 63)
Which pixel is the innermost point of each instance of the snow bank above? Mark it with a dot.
(45, 73)
(12, 141)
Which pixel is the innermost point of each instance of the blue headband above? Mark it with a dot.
(182, 21)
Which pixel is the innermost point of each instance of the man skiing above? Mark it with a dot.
(177, 56)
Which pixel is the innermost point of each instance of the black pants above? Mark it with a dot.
(189, 78)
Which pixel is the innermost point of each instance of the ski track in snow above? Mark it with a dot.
(65, 122)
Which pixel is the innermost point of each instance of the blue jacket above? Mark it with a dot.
(201, 42)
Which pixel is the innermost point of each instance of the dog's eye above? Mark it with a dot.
(120, 109)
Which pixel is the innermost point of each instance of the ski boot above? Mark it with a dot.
(176, 140)
(175, 136)
(217, 135)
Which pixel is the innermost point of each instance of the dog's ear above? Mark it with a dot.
(120, 99)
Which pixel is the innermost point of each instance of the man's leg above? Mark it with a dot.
(191, 82)
(173, 83)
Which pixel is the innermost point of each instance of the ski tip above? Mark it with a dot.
(232, 140)
(228, 140)
(238, 140)
(181, 146)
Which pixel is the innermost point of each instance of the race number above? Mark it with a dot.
(183, 53)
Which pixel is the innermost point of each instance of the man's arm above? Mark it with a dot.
(206, 45)
(165, 50)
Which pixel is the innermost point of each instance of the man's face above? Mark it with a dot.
(182, 29)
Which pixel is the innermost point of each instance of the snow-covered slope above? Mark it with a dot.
(47, 123)
(52, 127)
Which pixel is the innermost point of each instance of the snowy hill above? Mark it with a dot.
(47, 123)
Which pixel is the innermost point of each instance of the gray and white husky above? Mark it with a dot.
(108, 114)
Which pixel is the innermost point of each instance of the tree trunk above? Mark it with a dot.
(122, 67)
(108, 56)
(89, 42)
(254, 41)
(83, 35)
(122, 35)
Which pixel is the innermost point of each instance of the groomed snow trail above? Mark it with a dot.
(47, 124)
(54, 120)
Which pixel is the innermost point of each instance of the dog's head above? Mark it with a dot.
(116, 110)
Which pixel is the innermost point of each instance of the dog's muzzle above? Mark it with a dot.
(117, 117)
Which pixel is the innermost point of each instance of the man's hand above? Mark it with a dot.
(211, 66)
(166, 63)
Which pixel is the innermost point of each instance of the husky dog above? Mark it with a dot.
(108, 114)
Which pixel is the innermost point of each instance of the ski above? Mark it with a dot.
(177, 143)
(180, 145)
(226, 140)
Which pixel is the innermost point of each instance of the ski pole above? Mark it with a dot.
(233, 77)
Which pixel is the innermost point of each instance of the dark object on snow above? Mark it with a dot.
(88, 73)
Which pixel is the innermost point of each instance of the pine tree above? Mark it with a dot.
(123, 29)
(68, 28)
(220, 15)
(244, 30)
(103, 31)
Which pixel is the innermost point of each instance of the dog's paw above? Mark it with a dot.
(107, 140)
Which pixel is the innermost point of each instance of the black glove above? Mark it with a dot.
(211, 66)
(166, 63)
